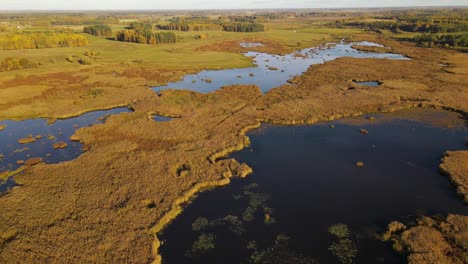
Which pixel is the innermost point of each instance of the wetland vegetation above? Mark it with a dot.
(209, 105)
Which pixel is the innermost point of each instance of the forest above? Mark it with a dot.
(41, 40)
(446, 41)
(187, 26)
(145, 37)
(98, 30)
(243, 27)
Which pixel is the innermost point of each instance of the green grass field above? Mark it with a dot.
(181, 55)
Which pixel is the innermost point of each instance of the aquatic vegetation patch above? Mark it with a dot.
(255, 201)
(228, 222)
(200, 223)
(345, 250)
(280, 252)
(339, 230)
(203, 244)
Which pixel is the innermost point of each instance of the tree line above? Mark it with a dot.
(98, 30)
(41, 40)
(243, 27)
(446, 41)
(226, 26)
(417, 27)
(187, 26)
(146, 37)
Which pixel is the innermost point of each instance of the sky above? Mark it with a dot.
(211, 4)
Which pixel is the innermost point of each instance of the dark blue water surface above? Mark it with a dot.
(273, 70)
(308, 181)
(58, 131)
(159, 118)
(372, 84)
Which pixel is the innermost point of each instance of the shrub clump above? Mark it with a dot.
(12, 64)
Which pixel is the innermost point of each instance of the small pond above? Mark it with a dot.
(306, 181)
(273, 70)
(43, 135)
(159, 118)
(370, 83)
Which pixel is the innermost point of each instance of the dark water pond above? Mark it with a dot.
(306, 180)
(372, 84)
(273, 70)
(45, 136)
(159, 118)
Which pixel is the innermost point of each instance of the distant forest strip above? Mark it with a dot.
(146, 37)
(41, 40)
(243, 27)
(227, 26)
(432, 31)
(446, 41)
(448, 26)
(186, 26)
(98, 30)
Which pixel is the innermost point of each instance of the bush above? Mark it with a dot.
(11, 64)
(201, 36)
(85, 61)
(91, 53)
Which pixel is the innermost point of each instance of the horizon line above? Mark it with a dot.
(231, 9)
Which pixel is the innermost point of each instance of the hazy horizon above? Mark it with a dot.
(116, 5)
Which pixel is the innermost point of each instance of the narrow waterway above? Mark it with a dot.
(39, 138)
(273, 70)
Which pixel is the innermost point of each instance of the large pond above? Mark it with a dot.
(42, 135)
(273, 70)
(306, 181)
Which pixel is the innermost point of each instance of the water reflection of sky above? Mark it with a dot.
(47, 135)
(285, 67)
(310, 177)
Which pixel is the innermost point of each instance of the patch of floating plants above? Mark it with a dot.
(309, 202)
(273, 70)
(39, 140)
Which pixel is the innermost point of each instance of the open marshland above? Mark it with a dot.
(213, 136)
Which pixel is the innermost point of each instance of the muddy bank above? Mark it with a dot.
(455, 165)
(431, 239)
(115, 195)
(375, 49)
